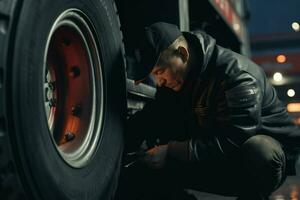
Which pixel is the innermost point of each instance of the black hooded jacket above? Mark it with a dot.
(231, 100)
(227, 99)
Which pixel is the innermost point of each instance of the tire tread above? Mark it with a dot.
(10, 187)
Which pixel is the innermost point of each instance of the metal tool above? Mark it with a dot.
(135, 156)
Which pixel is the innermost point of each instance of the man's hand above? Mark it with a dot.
(156, 157)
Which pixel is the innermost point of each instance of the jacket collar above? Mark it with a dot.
(201, 48)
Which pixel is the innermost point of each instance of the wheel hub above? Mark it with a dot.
(73, 88)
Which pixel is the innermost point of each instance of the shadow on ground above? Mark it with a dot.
(290, 190)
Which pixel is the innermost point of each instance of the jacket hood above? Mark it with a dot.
(202, 48)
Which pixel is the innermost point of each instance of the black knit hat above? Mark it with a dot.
(158, 37)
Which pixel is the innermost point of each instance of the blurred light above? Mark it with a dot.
(293, 107)
(291, 93)
(281, 58)
(277, 76)
(296, 26)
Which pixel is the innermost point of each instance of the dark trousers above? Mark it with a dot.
(254, 174)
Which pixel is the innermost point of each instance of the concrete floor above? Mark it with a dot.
(290, 190)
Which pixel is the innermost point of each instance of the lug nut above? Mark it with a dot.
(76, 111)
(69, 136)
(66, 42)
(49, 94)
(75, 72)
(46, 94)
(48, 76)
(51, 86)
(52, 102)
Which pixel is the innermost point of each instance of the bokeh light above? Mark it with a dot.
(277, 76)
(281, 58)
(291, 93)
(296, 26)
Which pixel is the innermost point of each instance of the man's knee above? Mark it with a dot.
(263, 149)
(265, 161)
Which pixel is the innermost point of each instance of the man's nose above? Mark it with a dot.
(160, 81)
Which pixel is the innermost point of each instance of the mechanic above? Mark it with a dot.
(221, 126)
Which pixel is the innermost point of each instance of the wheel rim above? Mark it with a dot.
(73, 98)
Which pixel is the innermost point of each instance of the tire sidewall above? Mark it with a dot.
(47, 174)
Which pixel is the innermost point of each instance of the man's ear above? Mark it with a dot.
(184, 53)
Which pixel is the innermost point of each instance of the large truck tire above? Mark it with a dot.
(62, 99)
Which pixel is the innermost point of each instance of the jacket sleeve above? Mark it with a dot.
(239, 121)
(149, 123)
(244, 102)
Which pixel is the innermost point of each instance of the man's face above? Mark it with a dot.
(171, 75)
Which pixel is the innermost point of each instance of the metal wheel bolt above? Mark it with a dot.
(76, 111)
(52, 102)
(48, 77)
(46, 94)
(69, 136)
(75, 71)
(51, 86)
(66, 42)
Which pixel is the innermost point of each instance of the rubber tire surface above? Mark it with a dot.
(30, 167)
